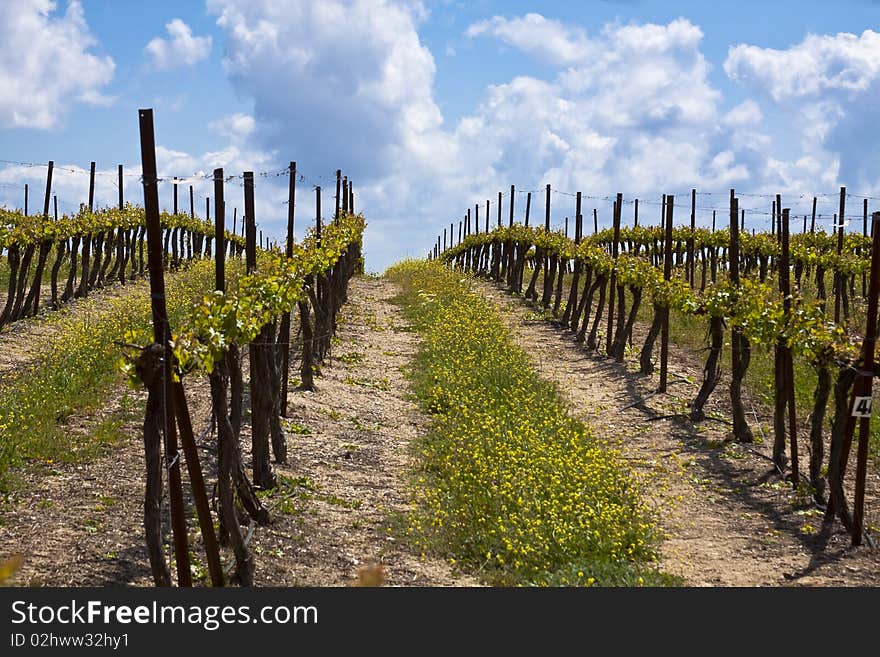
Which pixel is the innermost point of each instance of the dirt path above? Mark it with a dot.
(729, 520)
(355, 458)
(344, 485)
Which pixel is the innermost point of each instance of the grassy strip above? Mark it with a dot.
(511, 485)
(77, 367)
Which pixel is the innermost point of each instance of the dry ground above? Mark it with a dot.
(343, 488)
(730, 520)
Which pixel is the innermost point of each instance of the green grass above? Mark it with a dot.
(510, 485)
(76, 369)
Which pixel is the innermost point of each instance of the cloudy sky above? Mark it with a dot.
(431, 107)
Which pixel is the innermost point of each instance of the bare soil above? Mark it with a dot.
(728, 517)
(337, 513)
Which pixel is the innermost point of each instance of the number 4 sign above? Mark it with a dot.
(862, 407)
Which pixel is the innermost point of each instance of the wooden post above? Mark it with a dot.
(668, 204)
(83, 288)
(864, 234)
(713, 221)
(291, 207)
(528, 207)
(121, 233)
(863, 386)
(778, 218)
(174, 186)
(34, 293)
(477, 218)
(197, 483)
(636, 214)
(162, 336)
(612, 281)
(219, 232)
(338, 192)
(192, 204)
(838, 277)
(813, 220)
(92, 187)
(510, 217)
(785, 289)
(691, 264)
(773, 218)
(740, 352)
(595, 221)
(25, 199)
(48, 191)
(318, 224)
(55, 202)
(547, 210)
(250, 251)
(499, 210)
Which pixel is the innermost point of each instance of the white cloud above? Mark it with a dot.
(548, 39)
(182, 49)
(363, 95)
(45, 63)
(746, 113)
(630, 109)
(235, 126)
(828, 87)
(843, 62)
(70, 183)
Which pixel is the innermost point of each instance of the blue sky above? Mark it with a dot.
(432, 107)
